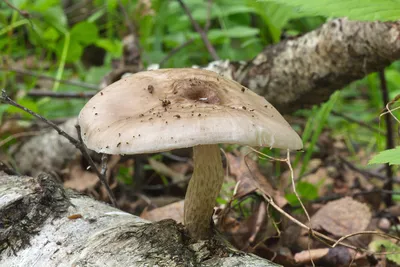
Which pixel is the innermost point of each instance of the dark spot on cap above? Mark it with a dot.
(119, 134)
(243, 89)
(118, 144)
(95, 113)
(199, 114)
(107, 146)
(177, 116)
(101, 93)
(165, 102)
(150, 88)
(244, 108)
(141, 115)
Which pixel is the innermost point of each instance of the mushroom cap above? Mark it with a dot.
(166, 109)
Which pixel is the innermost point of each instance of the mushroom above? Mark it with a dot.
(160, 110)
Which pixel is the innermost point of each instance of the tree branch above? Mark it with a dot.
(304, 71)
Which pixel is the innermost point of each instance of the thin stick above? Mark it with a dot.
(23, 13)
(47, 77)
(389, 139)
(366, 172)
(45, 93)
(78, 144)
(174, 51)
(203, 35)
(360, 123)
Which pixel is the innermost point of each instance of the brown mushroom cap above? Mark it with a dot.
(166, 109)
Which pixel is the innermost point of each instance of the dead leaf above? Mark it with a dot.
(246, 171)
(79, 179)
(172, 211)
(342, 217)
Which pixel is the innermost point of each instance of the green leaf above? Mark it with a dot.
(234, 32)
(391, 156)
(112, 46)
(353, 9)
(75, 50)
(85, 33)
(305, 190)
(56, 18)
(393, 249)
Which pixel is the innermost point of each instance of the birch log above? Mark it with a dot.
(43, 225)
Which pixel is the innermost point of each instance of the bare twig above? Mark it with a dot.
(389, 139)
(47, 77)
(202, 33)
(78, 144)
(366, 172)
(45, 93)
(360, 123)
(102, 177)
(23, 13)
(174, 51)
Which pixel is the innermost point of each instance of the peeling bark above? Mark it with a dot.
(300, 72)
(43, 225)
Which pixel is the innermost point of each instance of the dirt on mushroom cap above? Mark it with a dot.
(193, 106)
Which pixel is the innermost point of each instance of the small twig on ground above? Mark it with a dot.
(360, 123)
(389, 138)
(45, 93)
(202, 33)
(368, 173)
(47, 77)
(174, 51)
(78, 144)
(23, 13)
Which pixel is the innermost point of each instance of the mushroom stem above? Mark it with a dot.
(203, 189)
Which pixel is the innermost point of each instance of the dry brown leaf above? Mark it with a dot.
(342, 217)
(79, 179)
(246, 171)
(172, 211)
